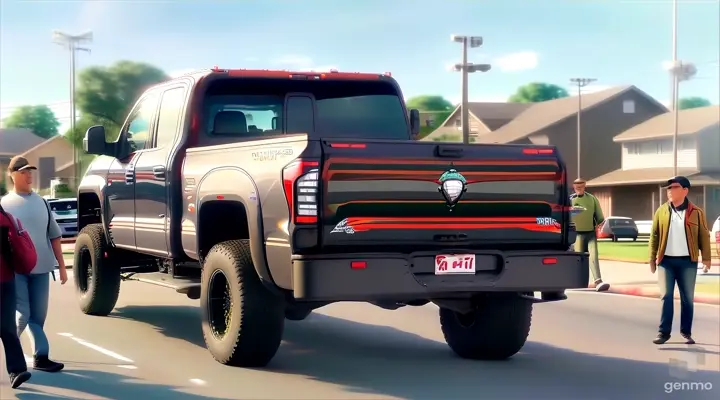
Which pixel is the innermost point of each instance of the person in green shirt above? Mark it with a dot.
(585, 224)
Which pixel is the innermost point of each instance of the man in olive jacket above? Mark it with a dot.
(585, 224)
(678, 237)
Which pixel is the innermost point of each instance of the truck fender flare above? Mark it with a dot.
(95, 184)
(229, 178)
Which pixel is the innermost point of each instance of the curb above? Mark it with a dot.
(655, 293)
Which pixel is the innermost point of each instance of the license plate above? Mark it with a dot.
(454, 264)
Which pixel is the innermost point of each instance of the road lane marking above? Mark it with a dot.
(197, 381)
(97, 348)
(593, 292)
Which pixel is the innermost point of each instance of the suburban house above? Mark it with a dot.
(634, 190)
(14, 142)
(53, 157)
(484, 118)
(603, 115)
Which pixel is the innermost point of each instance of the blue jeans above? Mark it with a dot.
(33, 295)
(683, 271)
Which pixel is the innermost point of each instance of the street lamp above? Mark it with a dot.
(71, 43)
(581, 83)
(466, 68)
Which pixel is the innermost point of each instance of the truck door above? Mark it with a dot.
(120, 190)
(152, 216)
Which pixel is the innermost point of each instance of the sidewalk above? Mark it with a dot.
(635, 279)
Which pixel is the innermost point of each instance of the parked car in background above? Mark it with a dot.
(715, 234)
(617, 228)
(644, 227)
(65, 212)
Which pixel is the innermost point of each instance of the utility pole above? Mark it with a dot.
(466, 68)
(580, 83)
(675, 85)
(71, 43)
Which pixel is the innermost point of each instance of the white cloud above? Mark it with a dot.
(515, 62)
(301, 63)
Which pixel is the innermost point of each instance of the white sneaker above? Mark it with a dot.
(602, 286)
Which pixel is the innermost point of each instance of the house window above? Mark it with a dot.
(629, 106)
(458, 123)
(652, 147)
(633, 148)
(666, 147)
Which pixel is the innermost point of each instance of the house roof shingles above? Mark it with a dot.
(17, 141)
(689, 122)
(541, 115)
(652, 176)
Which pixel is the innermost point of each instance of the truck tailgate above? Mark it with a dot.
(395, 193)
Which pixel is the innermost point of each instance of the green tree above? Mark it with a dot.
(40, 119)
(107, 93)
(692, 102)
(430, 103)
(536, 92)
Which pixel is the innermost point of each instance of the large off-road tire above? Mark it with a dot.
(97, 278)
(496, 330)
(242, 321)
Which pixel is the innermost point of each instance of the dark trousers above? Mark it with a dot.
(683, 271)
(14, 357)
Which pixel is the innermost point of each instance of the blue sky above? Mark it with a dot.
(617, 42)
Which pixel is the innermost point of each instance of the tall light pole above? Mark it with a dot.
(71, 43)
(467, 68)
(580, 83)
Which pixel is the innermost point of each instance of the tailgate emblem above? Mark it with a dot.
(452, 186)
(343, 227)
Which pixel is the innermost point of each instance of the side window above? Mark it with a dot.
(171, 107)
(300, 116)
(138, 127)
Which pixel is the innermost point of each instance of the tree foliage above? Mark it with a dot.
(536, 92)
(692, 102)
(430, 103)
(39, 119)
(107, 93)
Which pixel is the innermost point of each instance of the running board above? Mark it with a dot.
(187, 286)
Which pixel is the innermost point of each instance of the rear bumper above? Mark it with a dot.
(412, 276)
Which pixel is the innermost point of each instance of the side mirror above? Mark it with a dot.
(94, 142)
(414, 124)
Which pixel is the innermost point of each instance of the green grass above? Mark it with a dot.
(623, 251)
(627, 251)
(708, 288)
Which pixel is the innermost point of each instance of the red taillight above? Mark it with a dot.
(347, 145)
(549, 261)
(538, 151)
(301, 180)
(358, 264)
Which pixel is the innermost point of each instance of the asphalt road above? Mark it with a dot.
(593, 346)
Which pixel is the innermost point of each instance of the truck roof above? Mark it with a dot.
(279, 74)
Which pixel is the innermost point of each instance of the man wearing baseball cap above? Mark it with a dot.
(33, 290)
(585, 224)
(678, 237)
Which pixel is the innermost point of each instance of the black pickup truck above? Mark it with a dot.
(267, 194)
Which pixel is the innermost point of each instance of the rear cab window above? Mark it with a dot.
(238, 109)
(621, 222)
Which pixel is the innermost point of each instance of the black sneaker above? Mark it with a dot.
(18, 379)
(688, 339)
(601, 286)
(47, 365)
(661, 338)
